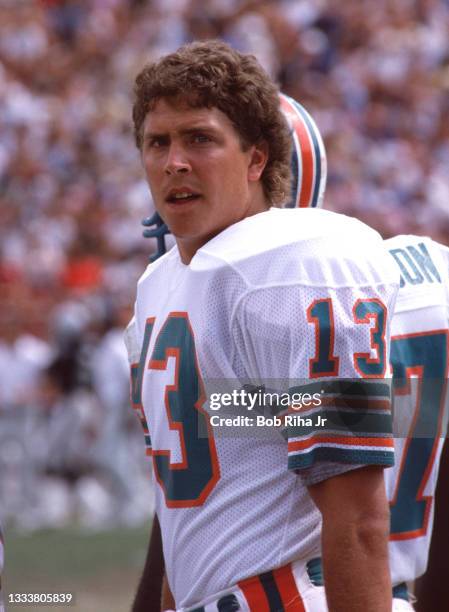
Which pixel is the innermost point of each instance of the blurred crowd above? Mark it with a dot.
(375, 76)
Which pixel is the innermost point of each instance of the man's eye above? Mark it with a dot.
(155, 143)
(201, 138)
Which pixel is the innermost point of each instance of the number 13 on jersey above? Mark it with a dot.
(188, 482)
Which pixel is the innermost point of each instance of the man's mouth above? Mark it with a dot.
(181, 197)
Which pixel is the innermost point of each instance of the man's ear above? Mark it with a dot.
(258, 161)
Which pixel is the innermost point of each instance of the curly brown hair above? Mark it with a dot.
(212, 74)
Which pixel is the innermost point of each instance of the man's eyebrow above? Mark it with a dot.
(151, 135)
(188, 130)
(198, 128)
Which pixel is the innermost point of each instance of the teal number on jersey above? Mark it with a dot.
(364, 312)
(136, 384)
(325, 363)
(320, 313)
(426, 355)
(189, 482)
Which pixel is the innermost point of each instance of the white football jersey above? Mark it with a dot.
(280, 299)
(419, 356)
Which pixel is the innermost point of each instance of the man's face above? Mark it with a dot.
(200, 178)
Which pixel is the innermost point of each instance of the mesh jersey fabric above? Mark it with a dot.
(419, 330)
(243, 300)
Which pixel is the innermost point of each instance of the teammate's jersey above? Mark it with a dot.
(419, 355)
(280, 297)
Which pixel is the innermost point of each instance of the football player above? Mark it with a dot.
(419, 356)
(308, 165)
(251, 293)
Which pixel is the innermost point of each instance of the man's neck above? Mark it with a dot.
(189, 246)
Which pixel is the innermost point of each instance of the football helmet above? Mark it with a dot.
(308, 165)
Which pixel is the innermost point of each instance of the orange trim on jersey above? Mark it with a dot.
(406, 388)
(254, 594)
(416, 533)
(307, 154)
(286, 584)
(418, 371)
(341, 440)
(373, 330)
(161, 364)
(210, 433)
(330, 356)
(173, 425)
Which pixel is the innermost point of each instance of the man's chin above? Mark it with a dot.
(182, 231)
(192, 235)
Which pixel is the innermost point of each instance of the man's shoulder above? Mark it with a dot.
(300, 245)
(278, 228)
(161, 266)
(423, 265)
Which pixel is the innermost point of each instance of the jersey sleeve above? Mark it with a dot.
(135, 358)
(327, 342)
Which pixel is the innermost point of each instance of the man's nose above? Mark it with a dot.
(177, 161)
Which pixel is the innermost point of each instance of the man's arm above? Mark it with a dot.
(168, 602)
(432, 589)
(356, 523)
(149, 591)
